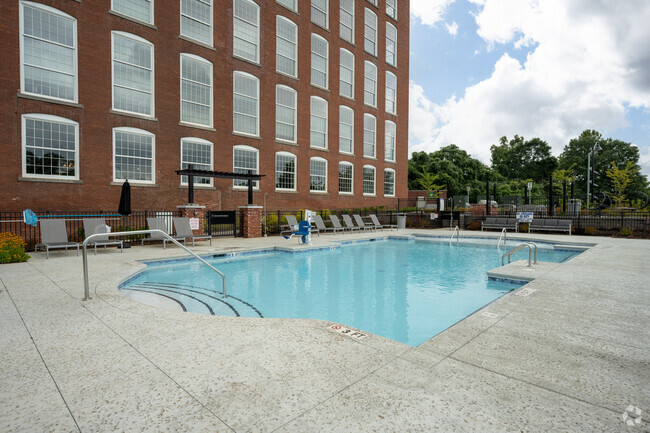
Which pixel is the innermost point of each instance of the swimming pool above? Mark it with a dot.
(405, 290)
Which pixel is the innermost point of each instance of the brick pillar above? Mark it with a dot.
(252, 227)
(194, 211)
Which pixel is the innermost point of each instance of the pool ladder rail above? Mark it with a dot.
(531, 246)
(503, 235)
(455, 232)
(138, 232)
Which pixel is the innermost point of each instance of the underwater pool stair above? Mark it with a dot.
(522, 270)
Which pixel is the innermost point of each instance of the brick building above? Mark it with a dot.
(311, 94)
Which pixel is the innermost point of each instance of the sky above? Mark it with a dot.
(484, 69)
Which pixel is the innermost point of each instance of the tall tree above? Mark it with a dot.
(519, 159)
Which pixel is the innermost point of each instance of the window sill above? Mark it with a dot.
(320, 193)
(194, 41)
(286, 191)
(49, 180)
(284, 74)
(192, 125)
(345, 153)
(204, 187)
(134, 184)
(347, 194)
(287, 143)
(251, 62)
(390, 162)
(372, 158)
(240, 134)
(348, 98)
(243, 189)
(46, 99)
(134, 20)
(374, 107)
(369, 195)
(134, 115)
(322, 149)
(316, 86)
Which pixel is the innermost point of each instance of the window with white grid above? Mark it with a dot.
(318, 123)
(370, 84)
(289, 4)
(285, 171)
(346, 171)
(197, 153)
(319, 60)
(133, 77)
(196, 20)
(141, 10)
(133, 155)
(391, 93)
(246, 30)
(246, 92)
(346, 129)
(368, 180)
(285, 113)
(389, 182)
(370, 33)
(196, 90)
(346, 75)
(286, 47)
(245, 158)
(347, 21)
(391, 138)
(373, 2)
(50, 147)
(319, 12)
(48, 55)
(391, 8)
(391, 44)
(369, 136)
(318, 175)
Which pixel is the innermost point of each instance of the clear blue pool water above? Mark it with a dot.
(404, 290)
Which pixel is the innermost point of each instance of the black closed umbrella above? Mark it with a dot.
(125, 200)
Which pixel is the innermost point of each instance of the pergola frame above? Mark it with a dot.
(190, 173)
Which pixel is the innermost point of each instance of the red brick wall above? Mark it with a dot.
(95, 190)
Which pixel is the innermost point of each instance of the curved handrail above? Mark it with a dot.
(503, 235)
(457, 233)
(139, 232)
(530, 246)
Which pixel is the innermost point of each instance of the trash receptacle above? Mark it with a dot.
(401, 221)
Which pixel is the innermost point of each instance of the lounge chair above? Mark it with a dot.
(94, 226)
(54, 235)
(349, 224)
(292, 224)
(379, 225)
(361, 224)
(184, 231)
(303, 231)
(336, 223)
(159, 224)
(323, 228)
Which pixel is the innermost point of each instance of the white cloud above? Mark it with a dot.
(590, 61)
(429, 12)
(452, 28)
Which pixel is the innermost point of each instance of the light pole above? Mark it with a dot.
(591, 159)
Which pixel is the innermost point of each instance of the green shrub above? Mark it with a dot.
(625, 232)
(591, 231)
(271, 222)
(12, 248)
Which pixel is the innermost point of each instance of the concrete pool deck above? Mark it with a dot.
(569, 351)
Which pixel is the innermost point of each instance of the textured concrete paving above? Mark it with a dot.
(569, 352)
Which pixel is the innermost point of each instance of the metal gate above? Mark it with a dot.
(222, 223)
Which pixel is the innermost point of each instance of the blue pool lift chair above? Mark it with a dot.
(303, 231)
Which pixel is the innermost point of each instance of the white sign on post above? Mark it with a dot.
(194, 223)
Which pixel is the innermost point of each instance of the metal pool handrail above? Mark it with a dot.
(457, 233)
(530, 246)
(504, 235)
(139, 232)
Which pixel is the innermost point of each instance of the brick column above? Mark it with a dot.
(194, 211)
(252, 227)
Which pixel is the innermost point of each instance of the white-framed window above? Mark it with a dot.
(319, 60)
(369, 180)
(391, 138)
(346, 129)
(246, 30)
(319, 13)
(318, 174)
(369, 136)
(391, 93)
(246, 104)
(133, 155)
(346, 174)
(285, 113)
(370, 84)
(346, 75)
(196, 20)
(48, 52)
(389, 182)
(50, 147)
(391, 44)
(133, 74)
(196, 90)
(346, 31)
(289, 4)
(391, 8)
(285, 171)
(141, 10)
(198, 153)
(286, 58)
(373, 2)
(245, 158)
(318, 123)
(370, 33)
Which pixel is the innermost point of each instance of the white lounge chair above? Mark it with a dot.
(379, 225)
(323, 228)
(336, 223)
(292, 223)
(54, 235)
(159, 224)
(361, 224)
(183, 230)
(94, 226)
(349, 224)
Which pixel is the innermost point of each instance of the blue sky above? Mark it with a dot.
(482, 69)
